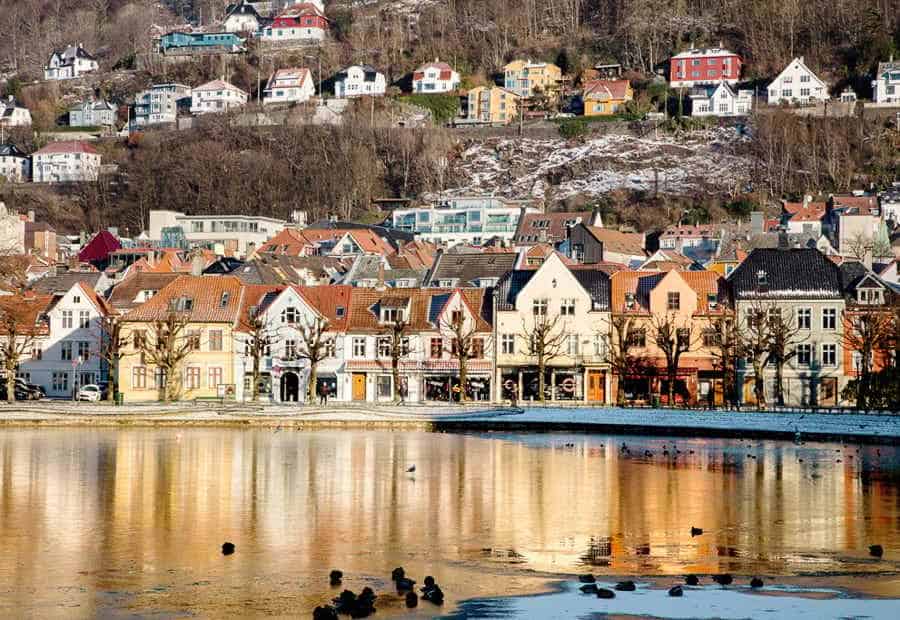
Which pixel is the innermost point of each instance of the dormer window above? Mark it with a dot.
(391, 315)
(712, 301)
(339, 312)
(629, 301)
(762, 278)
(223, 302)
(183, 304)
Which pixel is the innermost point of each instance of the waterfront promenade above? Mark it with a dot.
(882, 428)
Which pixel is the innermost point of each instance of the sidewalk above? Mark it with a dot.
(474, 417)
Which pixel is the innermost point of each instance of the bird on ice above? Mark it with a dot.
(411, 470)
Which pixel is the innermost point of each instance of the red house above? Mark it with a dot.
(97, 250)
(300, 21)
(696, 67)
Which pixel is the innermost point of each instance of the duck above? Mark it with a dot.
(692, 580)
(676, 591)
(626, 586)
(756, 582)
(724, 579)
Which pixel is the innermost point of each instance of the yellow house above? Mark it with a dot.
(200, 313)
(492, 104)
(724, 265)
(606, 97)
(523, 76)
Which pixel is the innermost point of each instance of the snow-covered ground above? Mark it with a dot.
(709, 601)
(523, 168)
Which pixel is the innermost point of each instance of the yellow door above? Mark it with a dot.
(359, 386)
(595, 386)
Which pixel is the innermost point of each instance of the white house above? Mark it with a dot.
(15, 165)
(69, 63)
(886, 85)
(217, 96)
(294, 85)
(92, 113)
(435, 77)
(721, 100)
(61, 162)
(160, 104)
(12, 114)
(889, 200)
(68, 357)
(242, 17)
(797, 83)
(358, 80)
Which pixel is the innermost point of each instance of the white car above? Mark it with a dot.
(90, 392)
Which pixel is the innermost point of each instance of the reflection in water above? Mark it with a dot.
(103, 521)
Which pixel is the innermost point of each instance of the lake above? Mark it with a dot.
(130, 522)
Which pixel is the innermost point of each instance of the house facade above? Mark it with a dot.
(472, 220)
(572, 308)
(697, 67)
(69, 63)
(15, 165)
(92, 113)
(69, 356)
(886, 85)
(200, 43)
(293, 85)
(491, 105)
(593, 244)
(217, 96)
(606, 97)
(435, 77)
(524, 77)
(804, 288)
(160, 104)
(242, 17)
(62, 162)
(797, 84)
(720, 100)
(13, 114)
(233, 234)
(302, 22)
(360, 81)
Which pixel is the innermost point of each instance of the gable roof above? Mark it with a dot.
(99, 248)
(67, 146)
(218, 85)
(366, 303)
(789, 273)
(468, 269)
(123, 295)
(705, 284)
(60, 283)
(619, 242)
(28, 311)
(284, 269)
(594, 281)
(605, 89)
(799, 62)
(548, 227)
(206, 294)
(11, 150)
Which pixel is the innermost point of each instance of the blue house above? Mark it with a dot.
(200, 43)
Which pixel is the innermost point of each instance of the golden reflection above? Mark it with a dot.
(92, 520)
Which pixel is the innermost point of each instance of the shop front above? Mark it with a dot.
(568, 384)
(441, 381)
(694, 385)
(373, 381)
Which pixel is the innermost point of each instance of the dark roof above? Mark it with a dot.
(508, 288)
(60, 283)
(437, 304)
(548, 227)
(282, 269)
(468, 269)
(11, 150)
(594, 281)
(369, 73)
(241, 8)
(124, 294)
(788, 274)
(855, 275)
(222, 266)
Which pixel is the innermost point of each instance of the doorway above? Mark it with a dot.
(359, 386)
(596, 386)
(290, 387)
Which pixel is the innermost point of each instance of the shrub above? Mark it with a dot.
(573, 128)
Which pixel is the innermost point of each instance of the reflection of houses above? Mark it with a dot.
(687, 301)
(572, 308)
(429, 367)
(805, 288)
(207, 308)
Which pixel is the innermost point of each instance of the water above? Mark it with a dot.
(130, 522)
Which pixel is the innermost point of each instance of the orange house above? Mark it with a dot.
(688, 300)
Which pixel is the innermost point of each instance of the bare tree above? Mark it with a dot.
(784, 336)
(546, 339)
(868, 333)
(724, 339)
(20, 328)
(755, 346)
(464, 343)
(257, 339)
(398, 344)
(674, 339)
(621, 360)
(112, 348)
(315, 346)
(166, 348)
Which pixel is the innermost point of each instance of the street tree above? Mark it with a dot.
(868, 333)
(20, 329)
(464, 345)
(621, 359)
(673, 338)
(166, 347)
(394, 336)
(784, 336)
(315, 346)
(112, 348)
(724, 339)
(546, 338)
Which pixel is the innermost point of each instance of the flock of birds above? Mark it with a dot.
(363, 604)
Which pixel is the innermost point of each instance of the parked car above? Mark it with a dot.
(19, 392)
(89, 392)
(33, 392)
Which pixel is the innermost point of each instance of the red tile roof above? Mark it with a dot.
(68, 146)
(206, 293)
(606, 89)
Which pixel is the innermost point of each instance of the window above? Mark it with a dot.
(290, 349)
(139, 338)
(804, 79)
(192, 378)
(508, 344)
(477, 348)
(829, 354)
(804, 354)
(804, 318)
(67, 319)
(572, 344)
(673, 300)
(84, 350)
(539, 307)
(359, 346)
(829, 318)
(638, 338)
(391, 315)
(330, 347)
(567, 307)
(384, 386)
(215, 377)
(224, 301)
(37, 352)
(84, 319)
(66, 351)
(339, 312)
(383, 344)
(60, 381)
(215, 340)
(599, 345)
(711, 337)
(193, 340)
(290, 315)
(456, 317)
(683, 336)
(76, 299)
(437, 348)
(762, 278)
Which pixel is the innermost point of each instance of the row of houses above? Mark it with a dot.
(562, 331)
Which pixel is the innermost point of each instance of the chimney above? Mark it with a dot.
(31, 215)
(757, 223)
(197, 265)
(806, 200)
(867, 257)
(801, 60)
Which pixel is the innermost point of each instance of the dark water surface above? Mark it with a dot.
(130, 522)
